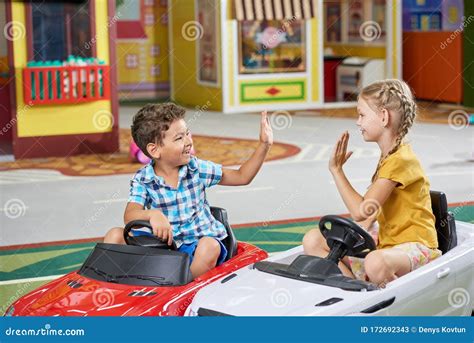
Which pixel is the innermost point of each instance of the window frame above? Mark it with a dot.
(29, 29)
(241, 69)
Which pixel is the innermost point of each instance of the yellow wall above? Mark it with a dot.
(41, 120)
(396, 54)
(126, 75)
(186, 90)
(315, 60)
(156, 35)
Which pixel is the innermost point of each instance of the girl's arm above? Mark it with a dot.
(247, 171)
(360, 207)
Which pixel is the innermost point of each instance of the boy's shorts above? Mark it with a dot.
(418, 254)
(189, 249)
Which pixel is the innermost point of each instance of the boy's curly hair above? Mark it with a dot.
(151, 121)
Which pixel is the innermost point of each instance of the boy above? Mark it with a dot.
(170, 191)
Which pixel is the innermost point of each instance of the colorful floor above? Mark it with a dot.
(23, 269)
(226, 151)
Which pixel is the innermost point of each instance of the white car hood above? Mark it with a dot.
(255, 293)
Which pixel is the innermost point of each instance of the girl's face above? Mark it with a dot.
(371, 124)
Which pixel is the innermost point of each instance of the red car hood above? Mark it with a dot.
(76, 295)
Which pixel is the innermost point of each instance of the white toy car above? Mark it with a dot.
(293, 284)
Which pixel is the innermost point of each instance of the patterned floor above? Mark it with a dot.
(226, 151)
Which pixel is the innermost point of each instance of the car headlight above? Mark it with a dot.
(10, 311)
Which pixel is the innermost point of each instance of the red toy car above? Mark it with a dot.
(143, 278)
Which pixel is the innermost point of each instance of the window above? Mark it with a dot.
(131, 61)
(155, 50)
(272, 46)
(155, 70)
(60, 30)
(149, 19)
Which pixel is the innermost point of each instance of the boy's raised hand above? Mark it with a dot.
(266, 132)
(340, 154)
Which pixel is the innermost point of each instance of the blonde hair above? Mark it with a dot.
(395, 96)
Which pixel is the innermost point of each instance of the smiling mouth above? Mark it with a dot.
(187, 151)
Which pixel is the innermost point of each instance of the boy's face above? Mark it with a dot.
(176, 147)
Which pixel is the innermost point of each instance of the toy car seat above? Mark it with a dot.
(230, 241)
(445, 224)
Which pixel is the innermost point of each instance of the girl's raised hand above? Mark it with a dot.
(340, 154)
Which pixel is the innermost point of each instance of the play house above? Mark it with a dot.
(56, 77)
(142, 49)
(238, 56)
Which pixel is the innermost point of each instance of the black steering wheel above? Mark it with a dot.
(145, 241)
(345, 237)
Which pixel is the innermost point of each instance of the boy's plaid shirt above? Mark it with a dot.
(186, 207)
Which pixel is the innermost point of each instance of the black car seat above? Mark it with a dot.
(445, 224)
(229, 242)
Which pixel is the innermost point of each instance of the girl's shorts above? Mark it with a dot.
(418, 254)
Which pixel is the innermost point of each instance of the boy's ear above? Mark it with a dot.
(153, 150)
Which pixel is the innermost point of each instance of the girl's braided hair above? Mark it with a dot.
(395, 96)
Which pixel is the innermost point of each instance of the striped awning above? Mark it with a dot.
(274, 9)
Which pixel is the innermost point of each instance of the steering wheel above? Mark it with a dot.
(149, 241)
(342, 233)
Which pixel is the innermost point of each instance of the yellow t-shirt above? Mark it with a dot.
(406, 216)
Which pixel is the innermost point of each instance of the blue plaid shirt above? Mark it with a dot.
(186, 206)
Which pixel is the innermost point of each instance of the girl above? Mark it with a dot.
(398, 197)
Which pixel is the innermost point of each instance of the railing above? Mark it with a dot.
(65, 84)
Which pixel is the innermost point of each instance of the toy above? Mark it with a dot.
(143, 278)
(293, 284)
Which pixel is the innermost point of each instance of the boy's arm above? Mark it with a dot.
(158, 221)
(247, 171)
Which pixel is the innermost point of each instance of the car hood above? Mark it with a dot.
(251, 292)
(76, 295)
